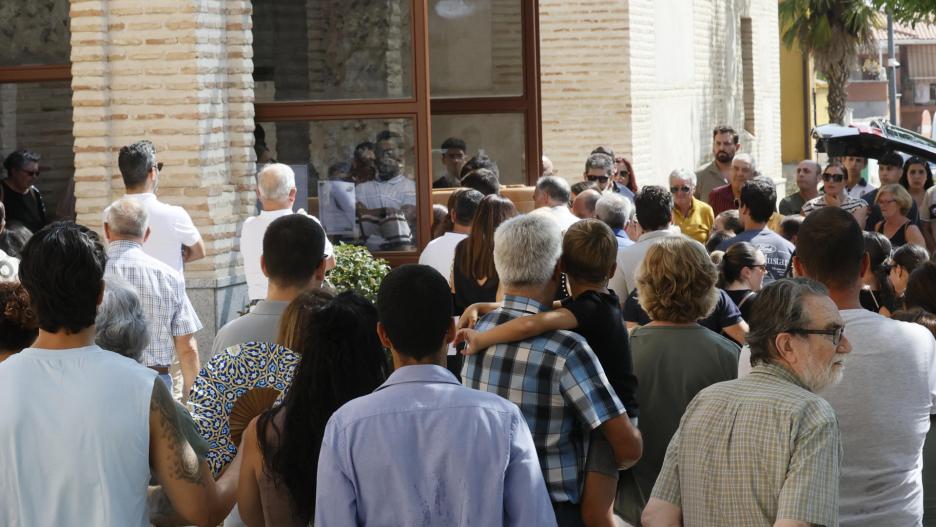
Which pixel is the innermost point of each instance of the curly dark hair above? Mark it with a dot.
(18, 324)
(342, 359)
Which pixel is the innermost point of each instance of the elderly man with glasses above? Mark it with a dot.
(693, 217)
(764, 449)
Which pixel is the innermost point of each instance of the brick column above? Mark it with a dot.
(179, 73)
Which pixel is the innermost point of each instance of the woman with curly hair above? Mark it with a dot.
(341, 359)
(674, 357)
(19, 326)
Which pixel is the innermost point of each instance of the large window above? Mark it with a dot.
(36, 94)
(349, 105)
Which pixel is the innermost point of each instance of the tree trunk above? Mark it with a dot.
(837, 76)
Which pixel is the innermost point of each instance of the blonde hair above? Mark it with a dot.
(900, 194)
(676, 281)
(589, 251)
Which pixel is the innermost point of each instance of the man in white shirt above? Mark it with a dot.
(440, 253)
(654, 214)
(552, 194)
(174, 239)
(93, 415)
(386, 206)
(276, 190)
(887, 395)
(856, 186)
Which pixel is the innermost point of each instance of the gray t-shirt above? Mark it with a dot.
(883, 405)
(260, 325)
(672, 365)
(777, 250)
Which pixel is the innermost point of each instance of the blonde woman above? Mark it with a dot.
(895, 203)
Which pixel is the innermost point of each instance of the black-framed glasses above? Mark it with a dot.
(838, 178)
(762, 267)
(835, 333)
(598, 179)
(684, 188)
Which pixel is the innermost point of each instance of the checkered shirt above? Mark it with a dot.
(757, 450)
(560, 387)
(162, 293)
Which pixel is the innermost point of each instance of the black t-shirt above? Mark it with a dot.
(598, 316)
(738, 297)
(725, 314)
(28, 209)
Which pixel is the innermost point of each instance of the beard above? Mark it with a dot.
(724, 157)
(818, 376)
(387, 168)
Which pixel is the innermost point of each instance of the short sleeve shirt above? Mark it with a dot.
(171, 227)
(791, 204)
(778, 251)
(598, 316)
(698, 223)
(725, 314)
(849, 204)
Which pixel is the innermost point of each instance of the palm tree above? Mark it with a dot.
(833, 32)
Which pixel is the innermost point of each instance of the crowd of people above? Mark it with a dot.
(681, 355)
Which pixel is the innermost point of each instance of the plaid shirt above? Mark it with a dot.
(558, 384)
(162, 293)
(757, 450)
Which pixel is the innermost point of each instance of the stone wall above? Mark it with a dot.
(652, 78)
(178, 73)
(34, 32)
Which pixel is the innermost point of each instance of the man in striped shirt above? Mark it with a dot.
(763, 450)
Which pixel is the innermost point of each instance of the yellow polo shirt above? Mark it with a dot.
(698, 223)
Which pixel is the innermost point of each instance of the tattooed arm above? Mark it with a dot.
(186, 481)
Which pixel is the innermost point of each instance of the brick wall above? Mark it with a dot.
(651, 78)
(177, 73)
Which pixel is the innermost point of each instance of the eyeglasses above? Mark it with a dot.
(159, 166)
(835, 333)
(886, 201)
(684, 188)
(838, 178)
(762, 267)
(599, 179)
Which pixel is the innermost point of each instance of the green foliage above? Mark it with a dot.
(356, 269)
(909, 12)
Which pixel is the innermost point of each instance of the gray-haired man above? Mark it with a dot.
(172, 319)
(764, 449)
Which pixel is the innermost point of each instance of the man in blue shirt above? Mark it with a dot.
(759, 202)
(422, 449)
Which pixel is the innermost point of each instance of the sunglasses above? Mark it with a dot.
(159, 166)
(683, 188)
(838, 178)
(599, 179)
(33, 173)
(835, 333)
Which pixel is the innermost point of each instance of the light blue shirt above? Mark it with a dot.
(423, 450)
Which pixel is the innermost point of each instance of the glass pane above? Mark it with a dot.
(34, 32)
(332, 49)
(498, 135)
(475, 48)
(360, 176)
(38, 117)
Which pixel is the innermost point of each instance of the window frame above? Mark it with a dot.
(420, 108)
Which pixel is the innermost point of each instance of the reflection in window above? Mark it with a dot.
(332, 49)
(475, 48)
(38, 117)
(361, 176)
(498, 135)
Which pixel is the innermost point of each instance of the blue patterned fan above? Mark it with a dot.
(225, 378)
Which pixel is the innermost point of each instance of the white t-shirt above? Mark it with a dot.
(170, 228)
(440, 253)
(628, 259)
(251, 248)
(74, 438)
(563, 216)
(883, 406)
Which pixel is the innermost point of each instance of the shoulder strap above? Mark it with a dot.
(746, 298)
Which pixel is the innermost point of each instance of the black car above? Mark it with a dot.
(873, 140)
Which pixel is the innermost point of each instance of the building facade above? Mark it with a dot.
(513, 78)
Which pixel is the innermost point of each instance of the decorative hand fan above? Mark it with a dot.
(248, 406)
(224, 379)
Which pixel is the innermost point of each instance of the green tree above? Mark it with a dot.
(909, 12)
(833, 32)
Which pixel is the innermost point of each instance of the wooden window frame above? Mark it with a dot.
(420, 108)
(35, 73)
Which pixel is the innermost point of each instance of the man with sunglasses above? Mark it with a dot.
(22, 200)
(693, 217)
(763, 449)
(174, 239)
(599, 169)
(889, 391)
